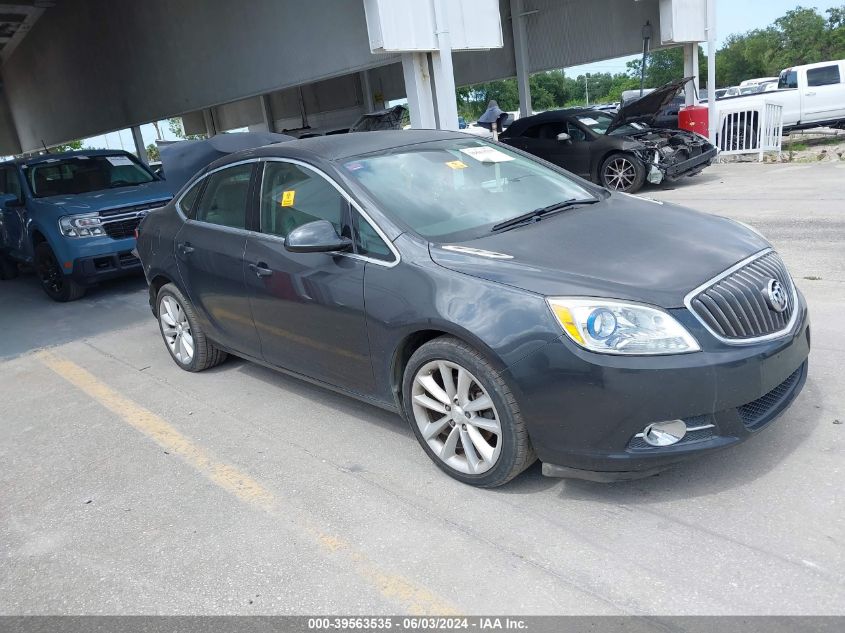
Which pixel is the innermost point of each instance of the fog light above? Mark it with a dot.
(665, 433)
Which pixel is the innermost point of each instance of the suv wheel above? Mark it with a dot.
(57, 285)
(464, 415)
(182, 334)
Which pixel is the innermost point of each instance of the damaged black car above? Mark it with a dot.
(619, 151)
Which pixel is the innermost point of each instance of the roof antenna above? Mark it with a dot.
(46, 151)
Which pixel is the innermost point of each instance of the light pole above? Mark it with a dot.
(587, 86)
(646, 39)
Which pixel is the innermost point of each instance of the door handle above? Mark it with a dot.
(185, 248)
(260, 269)
(810, 94)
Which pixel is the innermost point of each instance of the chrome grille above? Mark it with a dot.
(734, 306)
(122, 222)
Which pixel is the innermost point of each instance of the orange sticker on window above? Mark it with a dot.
(456, 164)
(287, 198)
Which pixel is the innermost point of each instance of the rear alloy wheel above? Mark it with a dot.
(622, 172)
(56, 284)
(464, 415)
(182, 335)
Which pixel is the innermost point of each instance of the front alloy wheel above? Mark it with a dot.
(456, 417)
(621, 172)
(464, 414)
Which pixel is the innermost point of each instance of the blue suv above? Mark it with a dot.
(72, 216)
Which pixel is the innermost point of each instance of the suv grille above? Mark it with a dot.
(735, 307)
(758, 412)
(122, 222)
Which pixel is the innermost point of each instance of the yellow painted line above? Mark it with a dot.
(418, 600)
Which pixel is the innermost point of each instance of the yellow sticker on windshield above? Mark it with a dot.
(287, 198)
(456, 164)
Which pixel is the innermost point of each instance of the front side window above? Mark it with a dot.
(293, 195)
(824, 76)
(225, 198)
(368, 242)
(458, 188)
(83, 174)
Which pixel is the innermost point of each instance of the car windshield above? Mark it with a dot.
(598, 122)
(82, 174)
(458, 189)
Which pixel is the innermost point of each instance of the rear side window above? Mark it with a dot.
(188, 202)
(225, 199)
(823, 76)
(788, 79)
(292, 195)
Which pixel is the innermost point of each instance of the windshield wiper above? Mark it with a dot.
(537, 214)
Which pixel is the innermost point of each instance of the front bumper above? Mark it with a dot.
(91, 270)
(584, 410)
(691, 165)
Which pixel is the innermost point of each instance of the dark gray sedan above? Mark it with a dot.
(507, 309)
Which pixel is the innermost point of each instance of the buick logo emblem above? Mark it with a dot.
(776, 295)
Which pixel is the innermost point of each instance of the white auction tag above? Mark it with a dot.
(119, 161)
(486, 154)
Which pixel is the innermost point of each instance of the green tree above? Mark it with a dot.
(178, 130)
(67, 147)
(152, 152)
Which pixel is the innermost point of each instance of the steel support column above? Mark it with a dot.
(267, 113)
(691, 70)
(140, 148)
(444, 76)
(711, 69)
(520, 54)
(367, 90)
(418, 90)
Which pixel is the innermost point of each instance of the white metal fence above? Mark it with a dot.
(750, 129)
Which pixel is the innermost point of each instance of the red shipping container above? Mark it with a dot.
(693, 118)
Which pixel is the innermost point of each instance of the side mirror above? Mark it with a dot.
(316, 237)
(563, 136)
(10, 201)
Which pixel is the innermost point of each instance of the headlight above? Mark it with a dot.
(83, 225)
(616, 327)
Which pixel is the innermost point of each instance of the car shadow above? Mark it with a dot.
(29, 319)
(339, 403)
(704, 177)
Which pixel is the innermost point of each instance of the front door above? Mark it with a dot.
(210, 254)
(14, 216)
(573, 155)
(308, 308)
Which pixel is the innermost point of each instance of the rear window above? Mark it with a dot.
(824, 76)
(788, 79)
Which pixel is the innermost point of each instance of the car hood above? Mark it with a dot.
(92, 201)
(648, 106)
(623, 248)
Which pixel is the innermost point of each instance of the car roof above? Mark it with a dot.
(340, 146)
(42, 158)
(550, 116)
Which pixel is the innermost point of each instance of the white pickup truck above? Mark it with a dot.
(812, 96)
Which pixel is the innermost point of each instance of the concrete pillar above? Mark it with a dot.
(367, 91)
(520, 55)
(711, 69)
(140, 148)
(691, 70)
(267, 113)
(444, 76)
(418, 90)
(210, 127)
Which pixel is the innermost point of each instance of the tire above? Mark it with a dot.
(622, 172)
(504, 449)
(736, 133)
(183, 337)
(57, 285)
(8, 268)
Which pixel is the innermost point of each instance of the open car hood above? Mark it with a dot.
(646, 107)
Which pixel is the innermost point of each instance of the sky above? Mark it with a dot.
(732, 16)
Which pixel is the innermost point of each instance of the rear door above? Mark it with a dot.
(209, 251)
(824, 94)
(308, 308)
